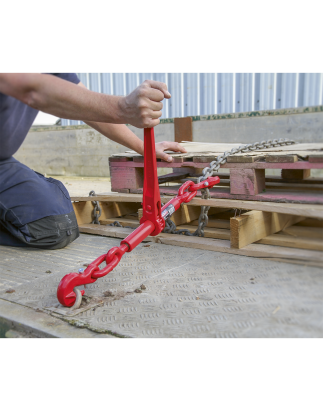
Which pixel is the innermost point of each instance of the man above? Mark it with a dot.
(36, 211)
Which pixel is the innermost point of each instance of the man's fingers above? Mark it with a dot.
(153, 105)
(159, 86)
(169, 145)
(164, 156)
(155, 114)
(154, 95)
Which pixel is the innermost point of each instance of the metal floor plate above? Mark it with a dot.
(188, 292)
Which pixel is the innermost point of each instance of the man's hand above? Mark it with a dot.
(168, 145)
(142, 107)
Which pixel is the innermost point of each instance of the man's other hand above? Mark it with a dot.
(142, 107)
(169, 146)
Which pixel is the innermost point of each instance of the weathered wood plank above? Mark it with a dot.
(314, 211)
(84, 209)
(196, 164)
(272, 158)
(255, 225)
(295, 242)
(316, 158)
(290, 255)
(247, 181)
(123, 221)
(209, 232)
(302, 231)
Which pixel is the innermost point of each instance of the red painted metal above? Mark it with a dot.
(152, 223)
(151, 210)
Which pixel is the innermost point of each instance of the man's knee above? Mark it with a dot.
(53, 232)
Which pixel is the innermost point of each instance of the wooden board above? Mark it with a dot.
(83, 210)
(306, 210)
(209, 232)
(301, 231)
(256, 225)
(295, 242)
(290, 255)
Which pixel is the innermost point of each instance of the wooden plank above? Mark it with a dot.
(221, 147)
(296, 174)
(281, 158)
(183, 129)
(270, 195)
(305, 210)
(209, 232)
(188, 162)
(186, 214)
(83, 210)
(295, 242)
(247, 181)
(123, 221)
(301, 231)
(255, 225)
(316, 158)
(243, 158)
(215, 223)
(253, 250)
(119, 158)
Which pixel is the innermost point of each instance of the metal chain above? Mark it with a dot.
(212, 169)
(97, 209)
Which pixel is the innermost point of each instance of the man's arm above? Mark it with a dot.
(50, 94)
(107, 114)
(121, 134)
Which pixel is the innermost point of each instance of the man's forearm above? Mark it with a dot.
(119, 133)
(62, 98)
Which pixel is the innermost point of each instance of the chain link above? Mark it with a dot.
(97, 209)
(212, 169)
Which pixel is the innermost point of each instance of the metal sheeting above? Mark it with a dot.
(196, 94)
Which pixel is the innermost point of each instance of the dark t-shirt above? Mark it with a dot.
(16, 118)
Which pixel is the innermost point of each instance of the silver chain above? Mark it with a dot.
(213, 168)
(97, 209)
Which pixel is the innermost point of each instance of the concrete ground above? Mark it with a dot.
(81, 186)
(157, 291)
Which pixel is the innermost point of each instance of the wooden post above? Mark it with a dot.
(255, 225)
(247, 181)
(183, 129)
(126, 178)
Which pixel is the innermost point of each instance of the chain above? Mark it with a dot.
(97, 209)
(211, 170)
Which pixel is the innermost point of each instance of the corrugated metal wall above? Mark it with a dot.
(196, 94)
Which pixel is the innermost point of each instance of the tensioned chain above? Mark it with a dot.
(210, 171)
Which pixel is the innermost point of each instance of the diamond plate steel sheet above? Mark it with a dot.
(165, 291)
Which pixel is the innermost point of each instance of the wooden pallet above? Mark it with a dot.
(280, 231)
(246, 179)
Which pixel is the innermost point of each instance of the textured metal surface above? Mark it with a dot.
(195, 94)
(188, 293)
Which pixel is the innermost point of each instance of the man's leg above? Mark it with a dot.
(35, 211)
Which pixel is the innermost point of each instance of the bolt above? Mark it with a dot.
(206, 184)
(149, 207)
(81, 270)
